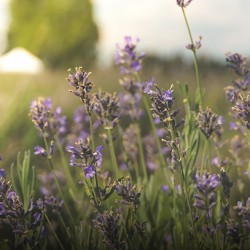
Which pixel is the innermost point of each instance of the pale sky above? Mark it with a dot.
(223, 24)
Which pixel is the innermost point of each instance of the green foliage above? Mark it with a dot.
(24, 182)
(62, 33)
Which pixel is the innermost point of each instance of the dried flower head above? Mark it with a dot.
(130, 195)
(80, 81)
(108, 224)
(209, 122)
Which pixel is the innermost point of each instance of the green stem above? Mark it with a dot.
(60, 191)
(209, 154)
(184, 187)
(91, 132)
(54, 233)
(142, 156)
(56, 180)
(72, 183)
(112, 152)
(199, 97)
(203, 158)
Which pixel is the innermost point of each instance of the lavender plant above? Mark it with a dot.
(109, 182)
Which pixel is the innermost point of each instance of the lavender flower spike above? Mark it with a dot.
(183, 3)
(127, 58)
(206, 197)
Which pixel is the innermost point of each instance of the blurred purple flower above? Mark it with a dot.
(2, 173)
(238, 63)
(184, 3)
(38, 150)
(89, 171)
(127, 58)
(106, 107)
(98, 155)
(165, 188)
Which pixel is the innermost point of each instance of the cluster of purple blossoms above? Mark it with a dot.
(162, 105)
(106, 107)
(244, 213)
(239, 94)
(210, 123)
(80, 81)
(127, 58)
(130, 195)
(82, 156)
(48, 121)
(206, 185)
(38, 150)
(195, 46)
(108, 224)
(238, 63)
(27, 225)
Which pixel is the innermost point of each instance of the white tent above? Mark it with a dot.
(19, 60)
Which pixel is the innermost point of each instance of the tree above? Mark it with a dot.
(61, 32)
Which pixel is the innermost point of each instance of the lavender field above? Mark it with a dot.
(133, 156)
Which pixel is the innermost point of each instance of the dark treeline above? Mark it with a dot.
(166, 65)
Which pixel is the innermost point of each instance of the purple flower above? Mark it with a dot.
(80, 81)
(82, 155)
(53, 202)
(206, 185)
(106, 107)
(209, 122)
(238, 63)
(40, 151)
(2, 209)
(2, 173)
(98, 155)
(168, 95)
(39, 112)
(195, 46)
(89, 171)
(184, 3)
(46, 120)
(244, 212)
(127, 58)
(148, 88)
(165, 188)
(243, 84)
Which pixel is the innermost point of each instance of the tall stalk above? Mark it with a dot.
(199, 96)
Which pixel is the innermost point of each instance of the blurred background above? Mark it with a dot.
(57, 35)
